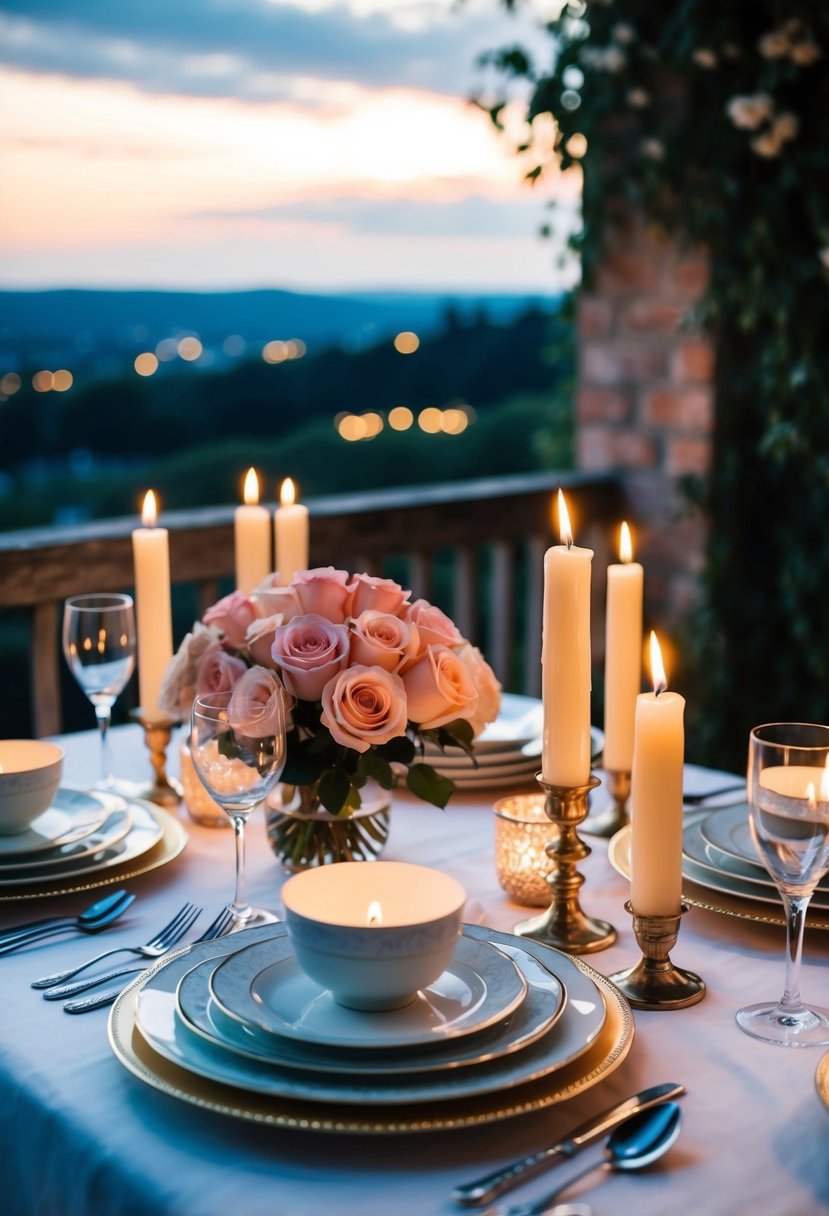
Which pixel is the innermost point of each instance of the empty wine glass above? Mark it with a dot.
(788, 796)
(99, 646)
(238, 768)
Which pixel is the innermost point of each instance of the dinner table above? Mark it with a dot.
(80, 1135)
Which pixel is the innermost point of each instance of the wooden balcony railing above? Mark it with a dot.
(475, 548)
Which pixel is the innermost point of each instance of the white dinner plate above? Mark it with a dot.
(53, 861)
(537, 1013)
(708, 855)
(264, 986)
(158, 1022)
(72, 814)
(145, 831)
(728, 831)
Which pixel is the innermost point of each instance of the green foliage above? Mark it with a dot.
(710, 118)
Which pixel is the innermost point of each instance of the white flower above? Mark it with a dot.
(623, 33)
(774, 45)
(804, 53)
(704, 58)
(786, 126)
(823, 254)
(653, 149)
(638, 99)
(747, 112)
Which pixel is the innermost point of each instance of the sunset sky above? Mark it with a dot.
(306, 144)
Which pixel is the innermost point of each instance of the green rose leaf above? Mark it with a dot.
(300, 767)
(337, 794)
(372, 765)
(429, 785)
(400, 750)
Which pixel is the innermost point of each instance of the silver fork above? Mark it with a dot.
(220, 926)
(163, 940)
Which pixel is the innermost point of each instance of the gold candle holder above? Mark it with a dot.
(164, 790)
(564, 924)
(608, 822)
(655, 983)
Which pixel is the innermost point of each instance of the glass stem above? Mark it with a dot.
(795, 921)
(240, 907)
(103, 714)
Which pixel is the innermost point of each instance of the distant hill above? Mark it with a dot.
(59, 326)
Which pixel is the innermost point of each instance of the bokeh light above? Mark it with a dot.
(400, 418)
(429, 420)
(454, 421)
(42, 381)
(62, 380)
(274, 352)
(146, 364)
(406, 342)
(166, 349)
(372, 422)
(189, 349)
(10, 383)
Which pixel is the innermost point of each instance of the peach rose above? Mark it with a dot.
(259, 639)
(257, 704)
(363, 706)
(439, 688)
(487, 684)
(324, 591)
(217, 670)
(178, 687)
(434, 627)
(378, 594)
(309, 650)
(273, 600)
(382, 640)
(232, 615)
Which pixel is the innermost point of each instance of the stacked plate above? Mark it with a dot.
(507, 752)
(722, 870)
(86, 840)
(235, 1025)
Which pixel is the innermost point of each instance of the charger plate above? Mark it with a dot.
(598, 1060)
(171, 841)
(724, 901)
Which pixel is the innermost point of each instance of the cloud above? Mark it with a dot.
(255, 50)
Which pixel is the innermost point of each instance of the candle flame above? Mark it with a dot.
(375, 913)
(824, 783)
(565, 531)
(811, 801)
(625, 544)
(287, 492)
(660, 680)
(149, 512)
(251, 490)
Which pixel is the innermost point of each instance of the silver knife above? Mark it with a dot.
(471, 1194)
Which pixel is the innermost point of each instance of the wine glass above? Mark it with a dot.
(238, 770)
(99, 646)
(788, 796)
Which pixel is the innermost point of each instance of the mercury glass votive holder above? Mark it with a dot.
(522, 833)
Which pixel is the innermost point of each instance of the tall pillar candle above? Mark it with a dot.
(291, 526)
(153, 609)
(623, 656)
(251, 537)
(656, 797)
(565, 660)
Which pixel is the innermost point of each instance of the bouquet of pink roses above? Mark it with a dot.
(371, 675)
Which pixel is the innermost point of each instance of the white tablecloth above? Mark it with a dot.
(79, 1136)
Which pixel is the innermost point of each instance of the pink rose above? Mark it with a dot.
(178, 687)
(381, 640)
(259, 639)
(364, 706)
(435, 627)
(439, 688)
(378, 594)
(274, 600)
(232, 615)
(257, 704)
(488, 686)
(324, 591)
(309, 650)
(217, 670)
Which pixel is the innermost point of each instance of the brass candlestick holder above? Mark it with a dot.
(164, 790)
(614, 817)
(564, 924)
(655, 983)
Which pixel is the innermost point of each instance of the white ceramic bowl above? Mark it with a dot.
(369, 963)
(30, 772)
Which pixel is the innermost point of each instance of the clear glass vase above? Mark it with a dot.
(303, 834)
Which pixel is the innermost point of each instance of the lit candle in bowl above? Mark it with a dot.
(623, 655)
(656, 797)
(373, 935)
(291, 525)
(252, 537)
(565, 659)
(153, 609)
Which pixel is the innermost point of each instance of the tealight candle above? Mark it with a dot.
(252, 537)
(623, 655)
(565, 659)
(291, 526)
(522, 833)
(656, 797)
(153, 609)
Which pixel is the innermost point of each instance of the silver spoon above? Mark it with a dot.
(634, 1144)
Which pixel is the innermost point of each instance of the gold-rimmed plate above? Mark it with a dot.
(822, 1079)
(598, 1060)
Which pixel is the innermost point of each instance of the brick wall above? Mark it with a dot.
(645, 404)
